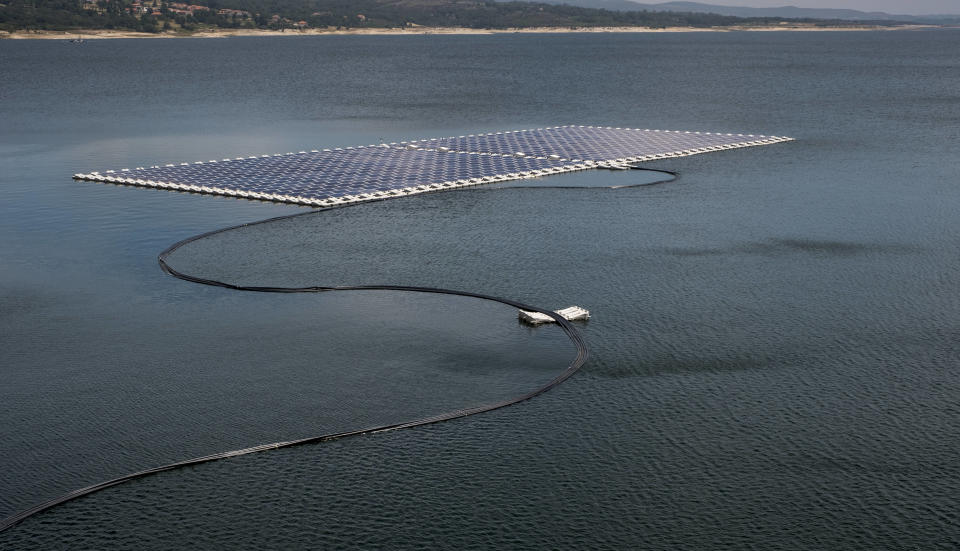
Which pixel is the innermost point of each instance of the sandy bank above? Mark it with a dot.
(224, 33)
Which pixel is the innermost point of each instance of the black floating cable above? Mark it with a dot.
(567, 327)
(670, 172)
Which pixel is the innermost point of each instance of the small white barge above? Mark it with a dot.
(572, 313)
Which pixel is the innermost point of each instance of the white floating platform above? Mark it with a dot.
(572, 313)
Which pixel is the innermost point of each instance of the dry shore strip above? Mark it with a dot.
(419, 31)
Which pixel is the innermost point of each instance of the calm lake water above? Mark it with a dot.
(775, 337)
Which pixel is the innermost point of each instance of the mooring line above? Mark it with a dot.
(575, 337)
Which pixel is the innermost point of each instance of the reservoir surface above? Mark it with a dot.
(774, 333)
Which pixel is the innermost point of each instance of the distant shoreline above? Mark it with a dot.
(419, 31)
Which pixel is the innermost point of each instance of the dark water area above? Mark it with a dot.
(775, 337)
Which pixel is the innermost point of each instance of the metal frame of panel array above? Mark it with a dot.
(331, 177)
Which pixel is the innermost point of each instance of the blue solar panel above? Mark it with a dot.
(601, 144)
(339, 176)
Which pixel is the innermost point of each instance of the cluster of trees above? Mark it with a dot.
(206, 18)
(69, 14)
(109, 14)
(115, 14)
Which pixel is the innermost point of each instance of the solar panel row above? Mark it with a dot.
(593, 143)
(338, 176)
(326, 178)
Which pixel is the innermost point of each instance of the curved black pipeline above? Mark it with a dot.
(670, 172)
(565, 325)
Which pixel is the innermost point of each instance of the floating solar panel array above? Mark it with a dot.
(332, 177)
